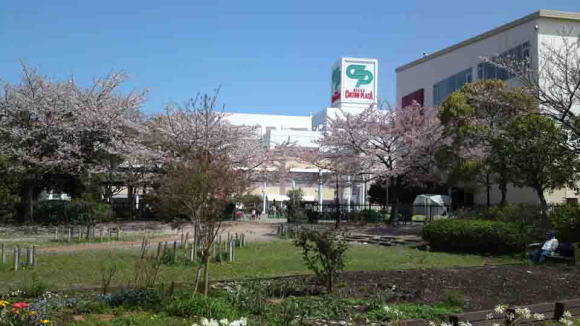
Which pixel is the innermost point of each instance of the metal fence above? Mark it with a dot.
(524, 213)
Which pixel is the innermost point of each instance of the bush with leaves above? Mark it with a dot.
(566, 220)
(323, 253)
(476, 236)
(77, 211)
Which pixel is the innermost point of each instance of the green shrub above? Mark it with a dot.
(566, 221)
(476, 236)
(143, 298)
(201, 305)
(518, 213)
(34, 287)
(323, 253)
(77, 211)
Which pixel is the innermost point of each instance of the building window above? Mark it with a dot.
(417, 96)
(486, 70)
(449, 85)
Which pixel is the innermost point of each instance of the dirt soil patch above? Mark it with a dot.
(482, 287)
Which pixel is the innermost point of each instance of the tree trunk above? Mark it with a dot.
(197, 276)
(488, 189)
(330, 284)
(206, 272)
(131, 199)
(395, 200)
(543, 203)
(337, 203)
(503, 189)
(28, 213)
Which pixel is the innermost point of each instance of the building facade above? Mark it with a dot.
(353, 89)
(430, 79)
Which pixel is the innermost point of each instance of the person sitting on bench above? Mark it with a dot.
(548, 248)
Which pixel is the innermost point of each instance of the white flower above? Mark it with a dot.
(224, 322)
(489, 316)
(431, 323)
(524, 313)
(446, 324)
(539, 316)
(567, 314)
(511, 316)
(500, 309)
(464, 323)
(566, 322)
(241, 322)
(495, 324)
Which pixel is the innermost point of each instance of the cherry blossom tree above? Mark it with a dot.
(207, 162)
(57, 128)
(554, 80)
(395, 144)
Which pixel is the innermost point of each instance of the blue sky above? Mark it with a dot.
(267, 56)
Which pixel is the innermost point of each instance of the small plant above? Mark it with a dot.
(323, 253)
(454, 298)
(144, 298)
(201, 305)
(107, 274)
(34, 287)
(146, 272)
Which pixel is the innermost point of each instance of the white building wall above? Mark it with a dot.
(540, 30)
(426, 74)
(305, 139)
(275, 121)
(551, 34)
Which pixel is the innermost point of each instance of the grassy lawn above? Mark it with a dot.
(62, 270)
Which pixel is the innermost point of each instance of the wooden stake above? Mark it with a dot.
(174, 251)
(16, 259)
(191, 252)
(158, 249)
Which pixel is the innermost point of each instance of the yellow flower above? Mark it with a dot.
(32, 313)
(45, 322)
(4, 303)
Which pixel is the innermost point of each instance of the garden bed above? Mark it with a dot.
(479, 287)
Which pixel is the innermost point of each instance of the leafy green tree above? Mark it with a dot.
(295, 210)
(473, 118)
(535, 150)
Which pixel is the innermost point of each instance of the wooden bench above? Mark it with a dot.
(551, 311)
(572, 306)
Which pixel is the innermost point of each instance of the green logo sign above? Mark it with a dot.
(360, 73)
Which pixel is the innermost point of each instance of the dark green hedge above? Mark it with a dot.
(476, 236)
(77, 211)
